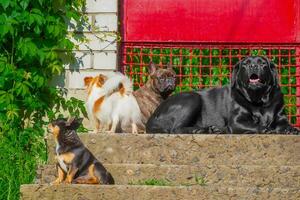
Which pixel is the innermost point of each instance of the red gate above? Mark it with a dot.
(203, 39)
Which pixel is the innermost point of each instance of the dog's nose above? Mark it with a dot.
(253, 66)
(170, 81)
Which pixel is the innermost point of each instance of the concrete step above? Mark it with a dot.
(133, 192)
(216, 175)
(192, 149)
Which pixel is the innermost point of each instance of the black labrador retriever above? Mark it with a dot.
(252, 103)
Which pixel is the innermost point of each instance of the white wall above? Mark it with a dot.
(99, 55)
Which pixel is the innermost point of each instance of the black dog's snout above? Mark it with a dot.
(254, 69)
(254, 66)
(254, 76)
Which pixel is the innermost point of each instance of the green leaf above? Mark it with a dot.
(4, 3)
(41, 2)
(5, 27)
(6, 97)
(27, 48)
(39, 80)
(36, 17)
(67, 44)
(22, 88)
(56, 68)
(37, 30)
(24, 4)
(52, 55)
(12, 111)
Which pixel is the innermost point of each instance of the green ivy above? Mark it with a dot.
(34, 38)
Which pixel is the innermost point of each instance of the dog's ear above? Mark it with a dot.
(152, 68)
(266, 98)
(274, 73)
(74, 123)
(59, 120)
(234, 72)
(101, 79)
(87, 80)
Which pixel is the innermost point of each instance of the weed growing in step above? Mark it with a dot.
(152, 181)
(199, 180)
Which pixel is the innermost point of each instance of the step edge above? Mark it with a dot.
(175, 165)
(152, 186)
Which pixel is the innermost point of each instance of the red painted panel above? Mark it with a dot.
(261, 21)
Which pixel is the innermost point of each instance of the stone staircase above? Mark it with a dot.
(192, 166)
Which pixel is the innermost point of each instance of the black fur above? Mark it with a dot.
(252, 103)
(69, 142)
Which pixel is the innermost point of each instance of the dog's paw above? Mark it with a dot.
(134, 131)
(80, 180)
(68, 181)
(268, 131)
(288, 131)
(198, 131)
(76, 181)
(110, 132)
(214, 130)
(292, 131)
(56, 182)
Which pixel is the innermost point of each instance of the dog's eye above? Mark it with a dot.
(259, 62)
(244, 65)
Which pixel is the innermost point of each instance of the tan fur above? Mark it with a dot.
(97, 104)
(70, 175)
(60, 178)
(87, 80)
(90, 178)
(97, 81)
(122, 89)
(101, 80)
(90, 81)
(92, 174)
(54, 130)
(67, 157)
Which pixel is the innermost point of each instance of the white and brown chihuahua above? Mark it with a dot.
(110, 102)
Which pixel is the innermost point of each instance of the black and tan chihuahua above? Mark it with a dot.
(75, 163)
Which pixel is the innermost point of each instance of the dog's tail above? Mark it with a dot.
(105, 177)
(118, 82)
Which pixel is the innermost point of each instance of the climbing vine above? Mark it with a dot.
(35, 45)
